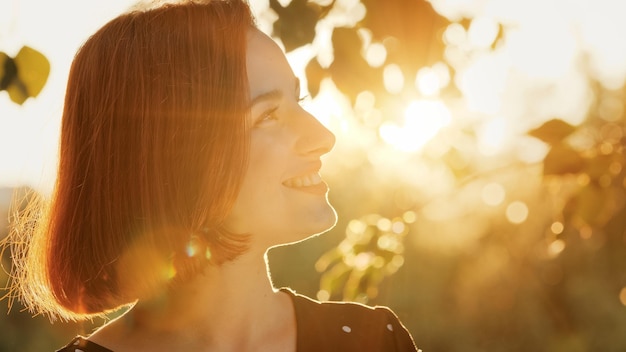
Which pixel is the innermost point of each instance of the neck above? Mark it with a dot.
(227, 307)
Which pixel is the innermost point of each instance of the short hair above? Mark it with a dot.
(153, 149)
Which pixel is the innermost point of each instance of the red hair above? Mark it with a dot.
(153, 149)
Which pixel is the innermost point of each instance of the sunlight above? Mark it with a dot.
(493, 135)
(169, 272)
(330, 107)
(376, 54)
(483, 83)
(602, 30)
(430, 80)
(393, 78)
(423, 119)
(482, 32)
(545, 50)
(193, 246)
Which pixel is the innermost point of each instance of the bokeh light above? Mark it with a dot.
(517, 212)
(493, 194)
(444, 147)
(376, 54)
(557, 227)
(393, 78)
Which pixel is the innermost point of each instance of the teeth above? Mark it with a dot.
(304, 181)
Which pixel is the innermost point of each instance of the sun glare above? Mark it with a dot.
(393, 78)
(423, 119)
(493, 135)
(482, 32)
(430, 80)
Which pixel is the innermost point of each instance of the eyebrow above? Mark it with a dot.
(273, 94)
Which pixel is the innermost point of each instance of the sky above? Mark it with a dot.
(29, 133)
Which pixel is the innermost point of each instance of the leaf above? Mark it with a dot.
(8, 71)
(562, 159)
(349, 70)
(314, 75)
(25, 75)
(6, 74)
(416, 28)
(296, 22)
(553, 131)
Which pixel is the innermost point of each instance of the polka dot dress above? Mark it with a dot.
(346, 327)
(80, 344)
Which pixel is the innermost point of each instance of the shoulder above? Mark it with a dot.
(80, 344)
(351, 326)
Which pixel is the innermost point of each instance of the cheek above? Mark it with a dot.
(265, 166)
(261, 187)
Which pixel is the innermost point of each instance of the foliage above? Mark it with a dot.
(511, 255)
(24, 75)
(373, 249)
(552, 281)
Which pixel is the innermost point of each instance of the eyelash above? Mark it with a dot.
(269, 113)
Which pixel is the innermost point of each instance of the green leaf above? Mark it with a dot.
(553, 131)
(562, 159)
(25, 75)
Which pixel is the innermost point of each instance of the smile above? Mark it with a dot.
(312, 179)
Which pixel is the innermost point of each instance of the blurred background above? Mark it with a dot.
(479, 172)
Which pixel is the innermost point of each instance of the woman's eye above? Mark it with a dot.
(268, 115)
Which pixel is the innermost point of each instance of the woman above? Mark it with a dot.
(184, 156)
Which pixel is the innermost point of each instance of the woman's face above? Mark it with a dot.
(282, 197)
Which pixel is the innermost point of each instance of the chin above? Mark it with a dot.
(325, 220)
(322, 222)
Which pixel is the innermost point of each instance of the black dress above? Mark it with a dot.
(327, 326)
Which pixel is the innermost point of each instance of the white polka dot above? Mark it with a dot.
(389, 327)
(78, 350)
(346, 328)
(77, 342)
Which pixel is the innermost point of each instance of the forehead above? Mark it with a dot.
(267, 65)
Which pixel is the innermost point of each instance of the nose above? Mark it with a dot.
(315, 139)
